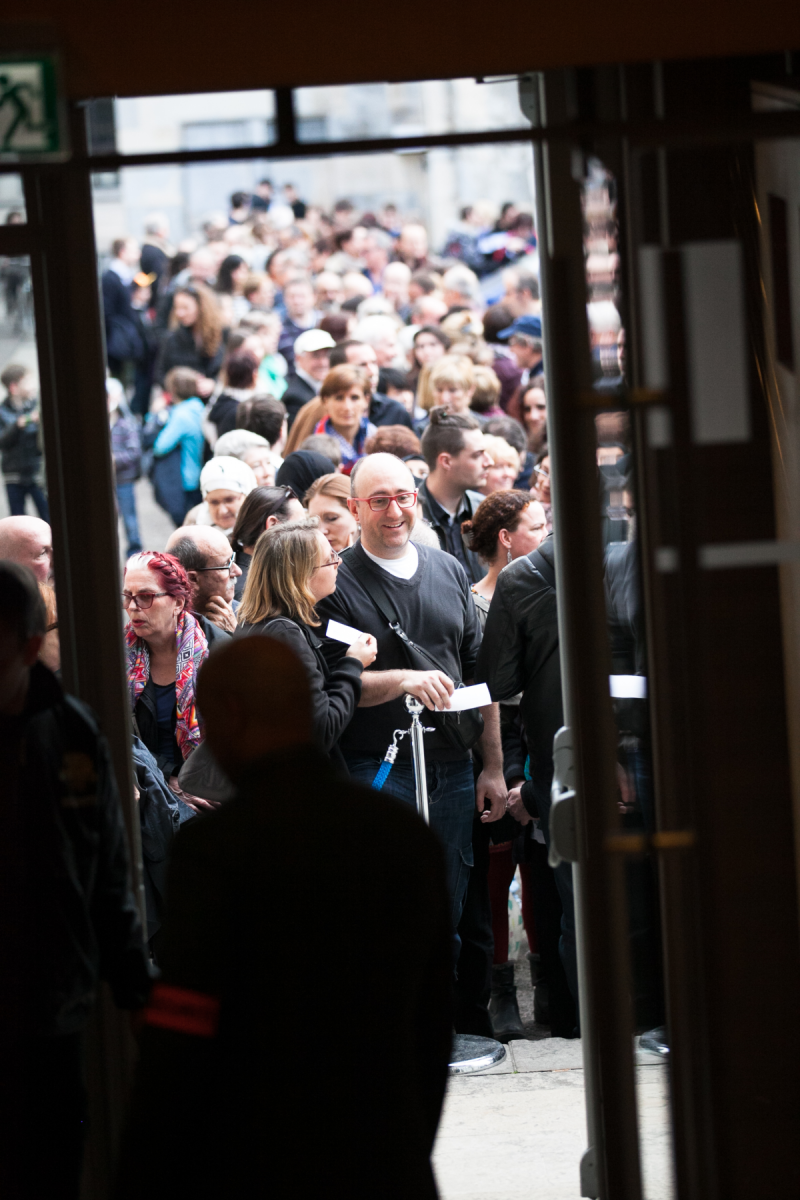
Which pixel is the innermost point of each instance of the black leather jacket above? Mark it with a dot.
(66, 876)
(626, 632)
(335, 691)
(519, 653)
(179, 349)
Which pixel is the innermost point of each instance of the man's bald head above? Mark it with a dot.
(384, 533)
(201, 264)
(373, 470)
(210, 541)
(29, 541)
(254, 698)
(199, 548)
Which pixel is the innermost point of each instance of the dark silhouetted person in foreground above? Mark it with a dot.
(67, 915)
(255, 1079)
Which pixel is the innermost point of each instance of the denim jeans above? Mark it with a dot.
(548, 916)
(643, 902)
(474, 983)
(451, 803)
(126, 502)
(16, 499)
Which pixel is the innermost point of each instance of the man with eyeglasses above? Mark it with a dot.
(206, 556)
(430, 594)
(29, 542)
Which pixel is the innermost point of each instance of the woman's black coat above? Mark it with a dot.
(335, 692)
(179, 349)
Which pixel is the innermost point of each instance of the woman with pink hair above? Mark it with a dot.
(165, 649)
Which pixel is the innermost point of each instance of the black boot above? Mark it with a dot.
(503, 1007)
(541, 990)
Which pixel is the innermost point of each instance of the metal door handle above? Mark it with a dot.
(563, 829)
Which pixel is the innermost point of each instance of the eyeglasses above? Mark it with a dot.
(543, 471)
(381, 503)
(225, 566)
(333, 561)
(141, 601)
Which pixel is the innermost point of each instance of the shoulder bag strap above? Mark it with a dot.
(373, 588)
(378, 596)
(543, 567)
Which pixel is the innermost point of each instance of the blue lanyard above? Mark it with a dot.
(389, 759)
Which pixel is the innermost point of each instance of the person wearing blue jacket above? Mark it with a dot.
(176, 436)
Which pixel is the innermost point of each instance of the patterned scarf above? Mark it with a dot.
(192, 650)
(350, 453)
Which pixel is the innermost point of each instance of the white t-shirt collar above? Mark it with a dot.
(401, 568)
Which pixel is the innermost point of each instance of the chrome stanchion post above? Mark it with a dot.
(469, 1053)
(415, 707)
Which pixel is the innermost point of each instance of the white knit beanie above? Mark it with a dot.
(229, 473)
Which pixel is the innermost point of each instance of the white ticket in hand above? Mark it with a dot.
(474, 696)
(342, 633)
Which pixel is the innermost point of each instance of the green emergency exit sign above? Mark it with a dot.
(30, 118)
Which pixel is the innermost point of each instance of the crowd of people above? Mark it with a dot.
(349, 433)
(280, 361)
(264, 305)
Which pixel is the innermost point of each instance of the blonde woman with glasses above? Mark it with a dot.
(294, 567)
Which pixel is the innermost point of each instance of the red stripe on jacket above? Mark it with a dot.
(183, 1010)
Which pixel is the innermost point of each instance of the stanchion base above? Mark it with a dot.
(471, 1053)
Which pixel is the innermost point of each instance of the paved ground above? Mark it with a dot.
(518, 1132)
(154, 524)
